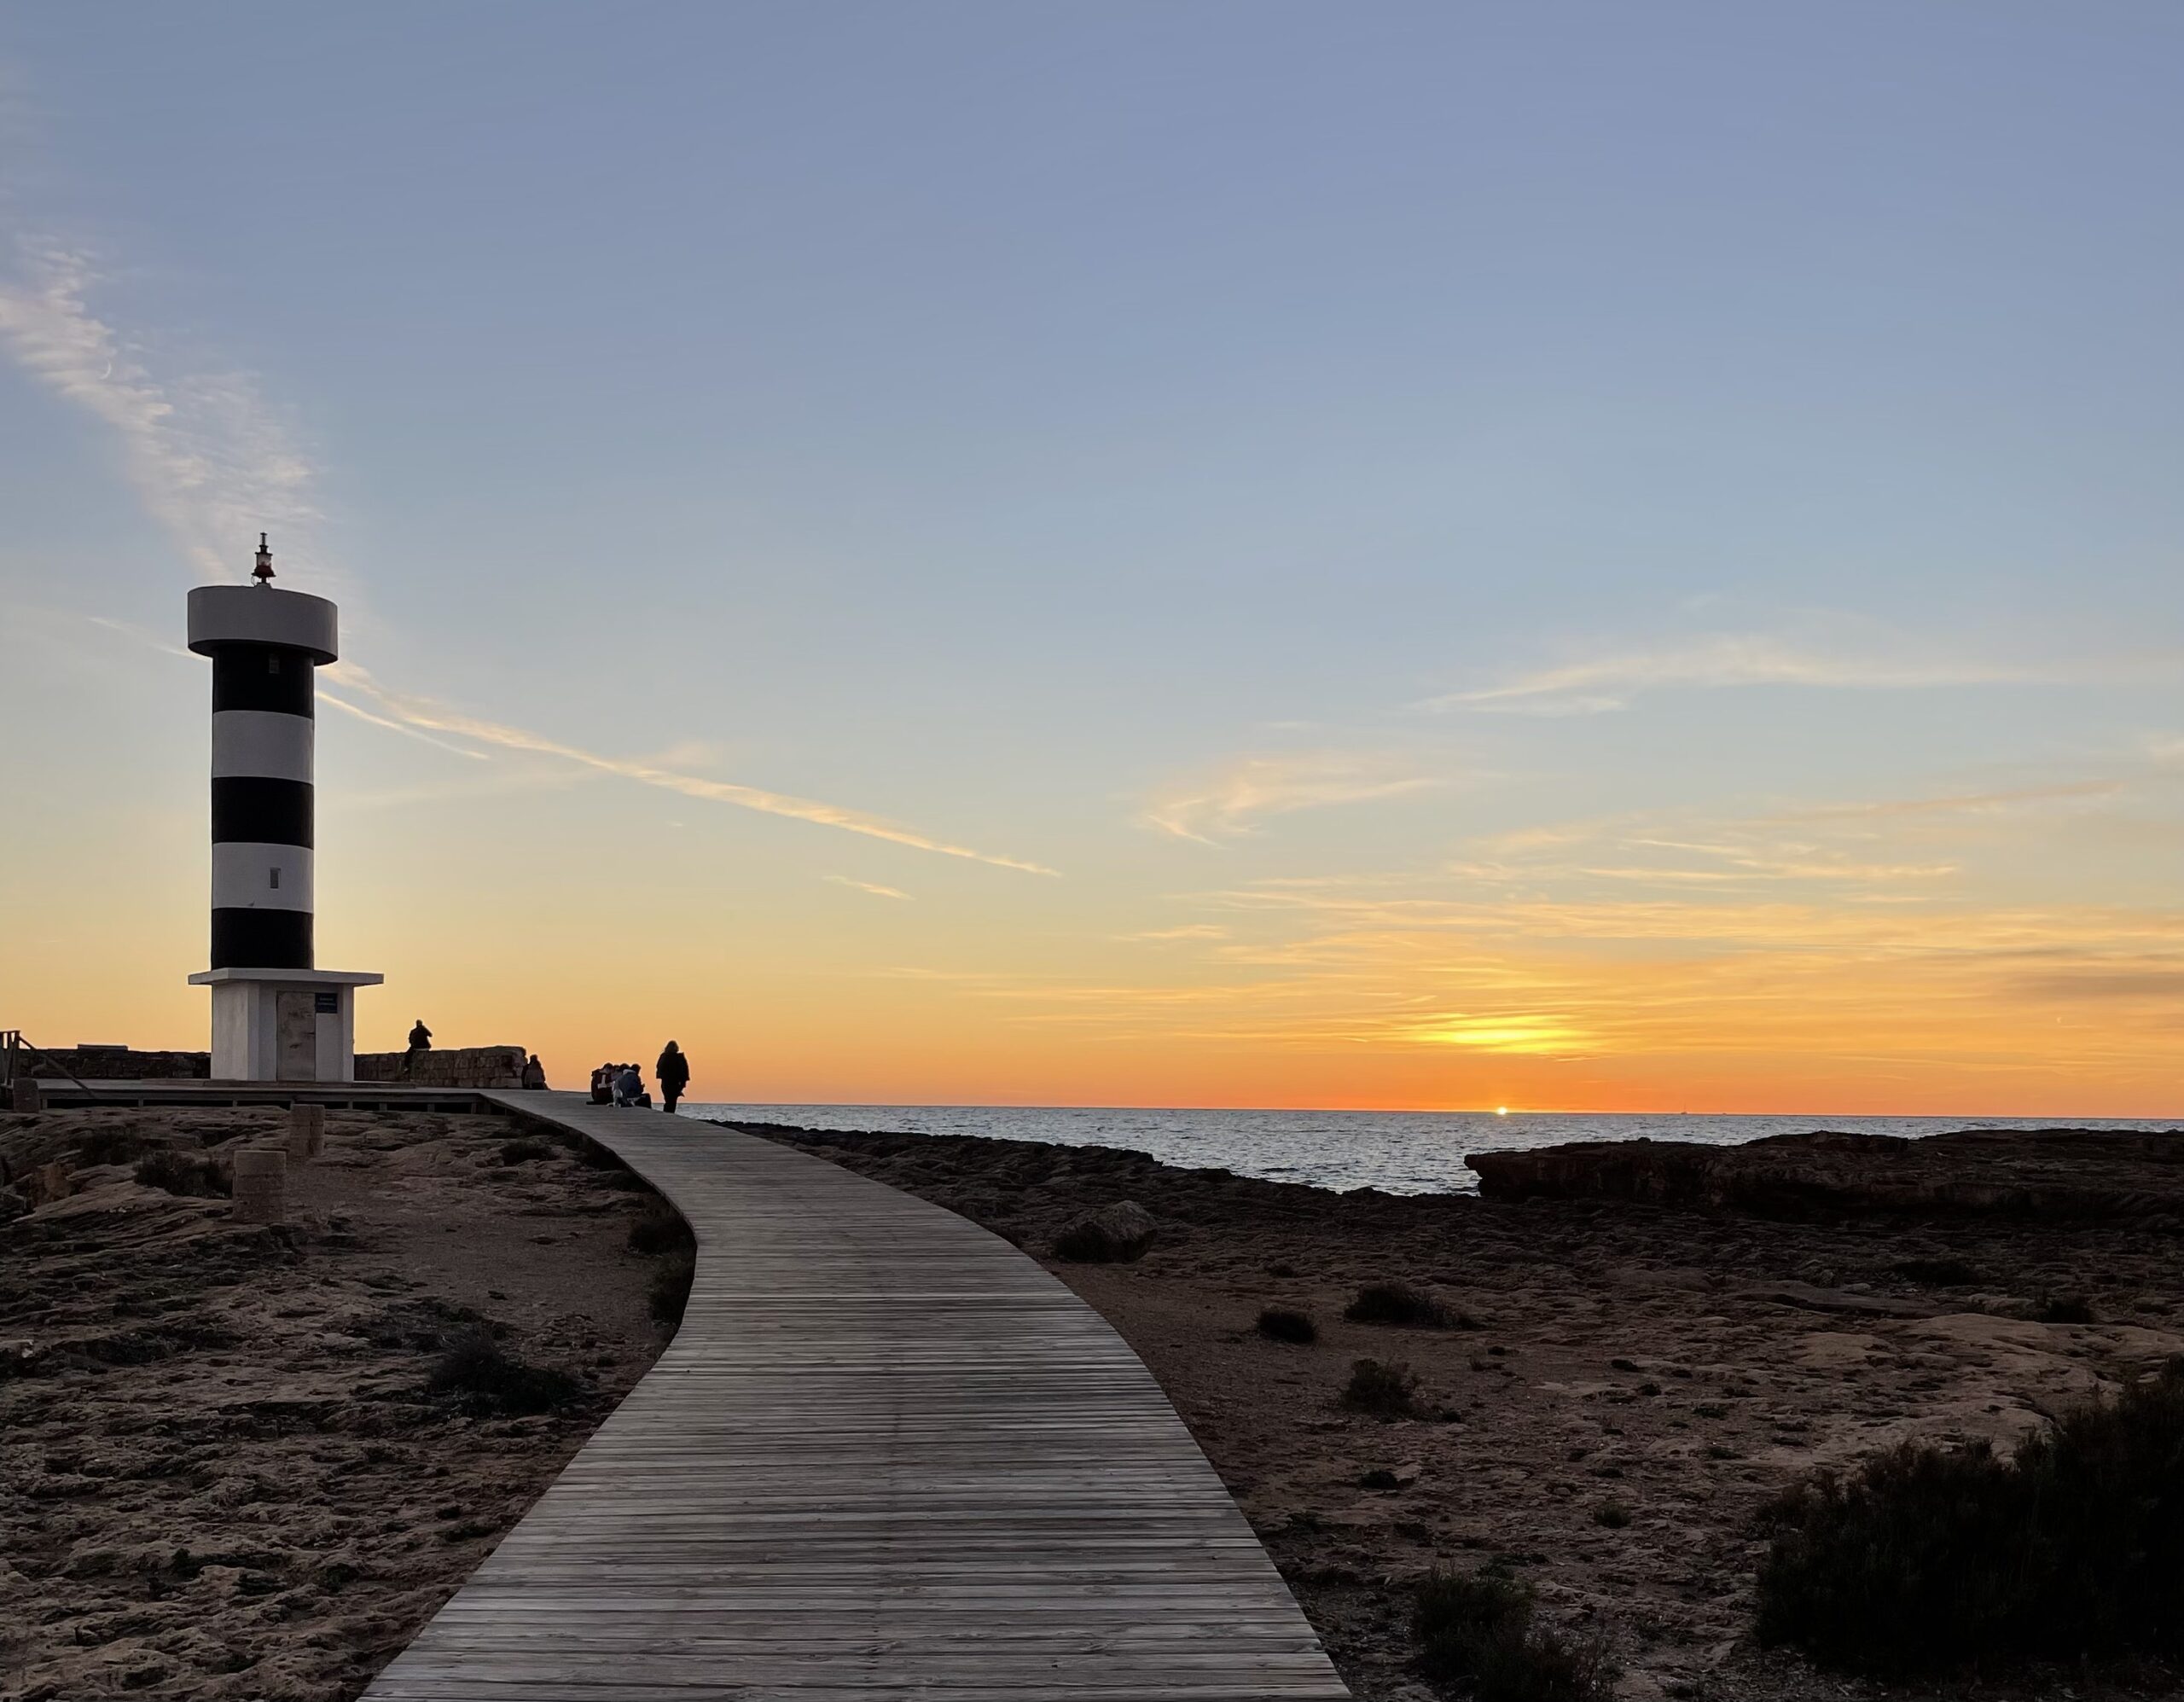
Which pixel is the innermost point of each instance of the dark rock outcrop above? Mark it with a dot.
(1114, 1234)
(2077, 1173)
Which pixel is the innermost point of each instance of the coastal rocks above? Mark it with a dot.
(1115, 1235)
(1683, 1371)
(2082, 1174)
(218, 1480)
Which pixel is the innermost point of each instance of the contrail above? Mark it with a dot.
(212, 463)
(420, 712)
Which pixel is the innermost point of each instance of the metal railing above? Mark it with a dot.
(15, 1047)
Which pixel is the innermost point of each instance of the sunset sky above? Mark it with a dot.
(1580, 556)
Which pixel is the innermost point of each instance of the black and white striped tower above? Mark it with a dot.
(275, 1016)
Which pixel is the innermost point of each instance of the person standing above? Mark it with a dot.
(673, 1070)
(534, 1072)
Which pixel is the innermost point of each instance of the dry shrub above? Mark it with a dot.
(1936, 1273)
(670, 1287)
(1479, 1628)
(192, 1174)
(660, 1229)
(1279, 1324)
(489, 1379)
(1387, 1391)
(1398, 1303)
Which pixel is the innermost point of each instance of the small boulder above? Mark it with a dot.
(1114, 1234)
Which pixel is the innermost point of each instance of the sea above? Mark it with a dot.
(1398, 1152)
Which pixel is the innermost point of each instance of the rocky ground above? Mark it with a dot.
(223, 1474)
(1623, 1383)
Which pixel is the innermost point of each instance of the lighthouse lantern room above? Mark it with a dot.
(276, 1017)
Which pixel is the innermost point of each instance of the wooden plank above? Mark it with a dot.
(886, 1455)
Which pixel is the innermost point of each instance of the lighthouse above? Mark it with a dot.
(275, 1016)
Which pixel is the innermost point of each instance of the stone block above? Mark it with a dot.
(261, 1185)
(306, 1131)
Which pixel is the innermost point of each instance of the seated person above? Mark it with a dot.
(629, 1087)
(602, 1085)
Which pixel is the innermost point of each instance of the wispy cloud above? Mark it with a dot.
(209, 458)
(415, 711)
(2164, 984)
(213, 463)
(873, 887)
(1610, 680)
(1993, 803)
(1533, 1031)
(1188, 931)
(1229, 802)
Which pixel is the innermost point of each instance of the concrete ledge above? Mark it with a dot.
(461, 1066)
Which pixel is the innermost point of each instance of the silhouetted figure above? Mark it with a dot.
(602, 1085)
(673, 1070)
(629, 1086)
(420, 1040)
(534, 1072)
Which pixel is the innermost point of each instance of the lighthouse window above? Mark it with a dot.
(273, 877)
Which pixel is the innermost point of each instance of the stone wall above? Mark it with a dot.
(460, 1067)
(119, 1064)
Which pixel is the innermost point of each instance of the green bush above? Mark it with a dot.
(1398, 1303)
(1479, 1628)
(1926, 1559)
(1388, 1391)
(1279, 1324)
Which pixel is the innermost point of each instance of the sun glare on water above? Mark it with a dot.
(1500, 1111)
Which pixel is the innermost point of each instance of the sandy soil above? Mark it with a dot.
(222, 1476)
(1632, 1383)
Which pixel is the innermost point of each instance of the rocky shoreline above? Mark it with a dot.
(246, 1463)
(228, 1473)
(2049, 1175)
(1637, 1351)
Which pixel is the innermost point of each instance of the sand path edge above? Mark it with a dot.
(886, 1455)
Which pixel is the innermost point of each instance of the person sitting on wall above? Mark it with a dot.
(673, 1070)
(420, 1040)
(629, 1087)
(534, 1074)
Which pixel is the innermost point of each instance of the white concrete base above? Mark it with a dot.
(284, 1025)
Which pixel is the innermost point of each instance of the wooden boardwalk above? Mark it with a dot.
(886, 1455)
